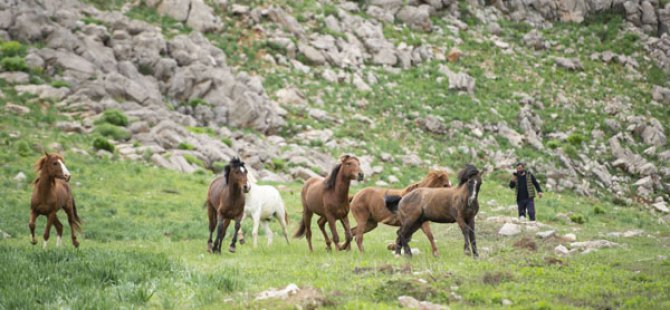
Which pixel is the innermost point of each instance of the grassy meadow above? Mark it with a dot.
(145, 235)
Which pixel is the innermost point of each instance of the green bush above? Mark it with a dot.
(553, 144)
(278, 164)
(598, 210)
(60, 84)
(570, 150)
(111, 131)
(185, 146)
(14, 64)
(100, 143)
(115, 117)
(12, 49)
(196, 102)
(577, 218)
(193, 160)
(576, 139)
(227, 141)
(23, 148)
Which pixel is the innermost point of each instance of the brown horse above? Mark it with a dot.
(50, 194)
(374, 205)
(225, 202)
(442, 205)
(329, 199)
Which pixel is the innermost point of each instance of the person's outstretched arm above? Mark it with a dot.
(537, 185)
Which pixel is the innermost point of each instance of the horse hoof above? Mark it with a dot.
(436, 254)
(390, 246)
(76, 244)
(231, 249)
(242, 241)
(33, 242)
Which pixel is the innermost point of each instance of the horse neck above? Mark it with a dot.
(235, 191)
(45, 183)
(342, 187)
(409, 188)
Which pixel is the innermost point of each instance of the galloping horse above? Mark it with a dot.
(442, 205)
(329, 199)
(225, 202)
(263, 203)
(50, 194)
(374, 205)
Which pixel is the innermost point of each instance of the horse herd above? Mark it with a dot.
(233, 196)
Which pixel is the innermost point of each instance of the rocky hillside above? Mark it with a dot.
(578, 89)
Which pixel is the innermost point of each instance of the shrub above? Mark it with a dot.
(11, 49)
(100, 143)
(193, 160)
(60, 84)
(185, 146)
(14, 64)
(23, 148)
(598, 210)
(576, 139)
(278, 164)
(196, 102)
(570, 150)
(553, 144)
(115, 117)
(111, 131)
(577, 218)
(227, 141)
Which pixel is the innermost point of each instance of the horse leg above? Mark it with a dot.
(71, 221)
(282, 222)
(466, 234)
(59, 231)
(429, 234)
(240, 234)
(238, 224)
(31, 225)
(473, 242)
(222, 226)
(407, 236)
(256, 217)
(211, 214)
(333, 229)
(361, 230)
(347, 233)
(322, 225)
(307, 220)
(47, 230)
(268, 231)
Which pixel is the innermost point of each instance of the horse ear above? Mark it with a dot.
(344, 157)
(226, 173)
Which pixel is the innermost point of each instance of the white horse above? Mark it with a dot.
(262, 203)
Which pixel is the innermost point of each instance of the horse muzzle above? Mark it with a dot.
(246, 188)
(361, 176)
(66, 177)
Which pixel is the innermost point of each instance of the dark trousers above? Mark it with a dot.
(527, 204)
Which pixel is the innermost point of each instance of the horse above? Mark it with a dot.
(442, 205)
(374, 205)
(51, 193)
(262, 203)
(329, 198)
(225, 202)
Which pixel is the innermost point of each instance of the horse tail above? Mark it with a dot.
(76, 223)
(391, 202)
(302, 228)
(285, 217)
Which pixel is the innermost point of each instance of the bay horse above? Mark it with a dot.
(374, 205)
(225, 202)
(442, 205)
(51, 193)
(329, 198)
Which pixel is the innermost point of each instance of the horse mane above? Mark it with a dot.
(332, 177)
(410, 188)
(466, 174)
(234, 163)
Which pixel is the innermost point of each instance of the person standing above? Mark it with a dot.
(526, 189)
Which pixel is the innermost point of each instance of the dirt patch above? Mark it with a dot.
(526, 243)
(385, 269)
(309, 298)
(391, 290)
(496, 277)
(549, 260)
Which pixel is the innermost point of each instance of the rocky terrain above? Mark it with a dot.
(289, 86)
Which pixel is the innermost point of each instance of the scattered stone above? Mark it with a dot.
(569, 237)
(20, 177)
(626, 234)
(413, 303)
(561, 250)
(509, 229)
(569, 63)
(593, 245)
(393, 179)
(281, 294)
(545, 234)
(661, 206)
(4, 235)
(18, 109)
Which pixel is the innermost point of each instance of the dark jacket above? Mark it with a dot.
(528, 191)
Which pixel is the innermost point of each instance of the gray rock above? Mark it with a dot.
(385, 57)
(412, 160)
(416, 17)
(302, 173)
(380, 14)
(593, 245)
(43, 91)
(20, 177)
(412, 303)
(545, 234)
(569, 237)
(15, 77)
(313, 55)
(561, 250)
(18, 109)
(509, 229)
(569, 63)
(661, 206)
(661, 94)
(458, 81)
(432, 124)
(70, 126)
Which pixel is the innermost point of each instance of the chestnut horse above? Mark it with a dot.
(225, 202)
(50, 194)
(374, 205)
(442, 205)
(329, 198)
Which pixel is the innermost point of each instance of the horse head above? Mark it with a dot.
(236, 173)
(54, 166)
(350, 168)
(473, 178)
